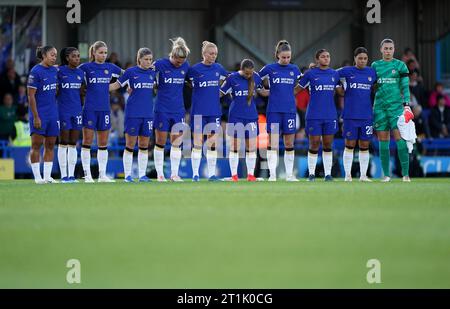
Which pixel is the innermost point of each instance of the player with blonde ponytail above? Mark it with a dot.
(206, 78)
(169, 107)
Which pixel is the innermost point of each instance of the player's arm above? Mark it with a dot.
(114, 86)
(33, 84)
(406, 95)
(122, 81)
(375, 86)
(305, 81)
(189, 82)
(226, 87)
(263, 92)
(33, 106)
(340, 91)
(342, 82)
(82, 93)
(223, 75)
(297, 87)
(57, 83)
(404, 84)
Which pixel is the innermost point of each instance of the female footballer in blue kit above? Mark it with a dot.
(70, 81)
(44, 123)
(169, 107)
(138, 111)
(281, 77)
(358, 82)
(243, 117)
(206, 78)
(321, 115)
(97, 110)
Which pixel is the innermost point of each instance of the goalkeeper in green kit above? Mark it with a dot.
(391, 101)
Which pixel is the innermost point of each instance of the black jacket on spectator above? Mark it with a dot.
(420, 93)
(6, 86)
(437, 119)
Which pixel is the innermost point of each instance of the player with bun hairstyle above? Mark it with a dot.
(169, 107)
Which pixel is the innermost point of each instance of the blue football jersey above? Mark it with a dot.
(358, 85)
(282, 81)
(322, 84)
(45, 81)
(170, 81)
(98, 77)
(69, 84)
(237, 86)
(140, 101)
(206, 88)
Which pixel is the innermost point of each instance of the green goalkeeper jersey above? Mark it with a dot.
(393, 83)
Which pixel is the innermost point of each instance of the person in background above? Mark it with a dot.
(117, 120)
(114, 59)
(9, 83)
(7, 117)
(21, 133)
(417, 88)
(440, 119)
(409, 56)
(438, 91)
(44, 121)
(21, 97)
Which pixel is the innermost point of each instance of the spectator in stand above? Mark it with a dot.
(9, 64)
(440, 119)
(412, 67)
(438, 91)
(421, 123)
(9, 83)
(128, 65)
(7, 117)
(346, 63)
(21, 97)
(117, 120)
(21, 132)
(114, 58)
(409, 56)
(416, 87)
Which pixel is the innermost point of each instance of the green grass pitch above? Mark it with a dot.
(225, 235)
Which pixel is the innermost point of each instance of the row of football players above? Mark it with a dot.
(56, 109)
